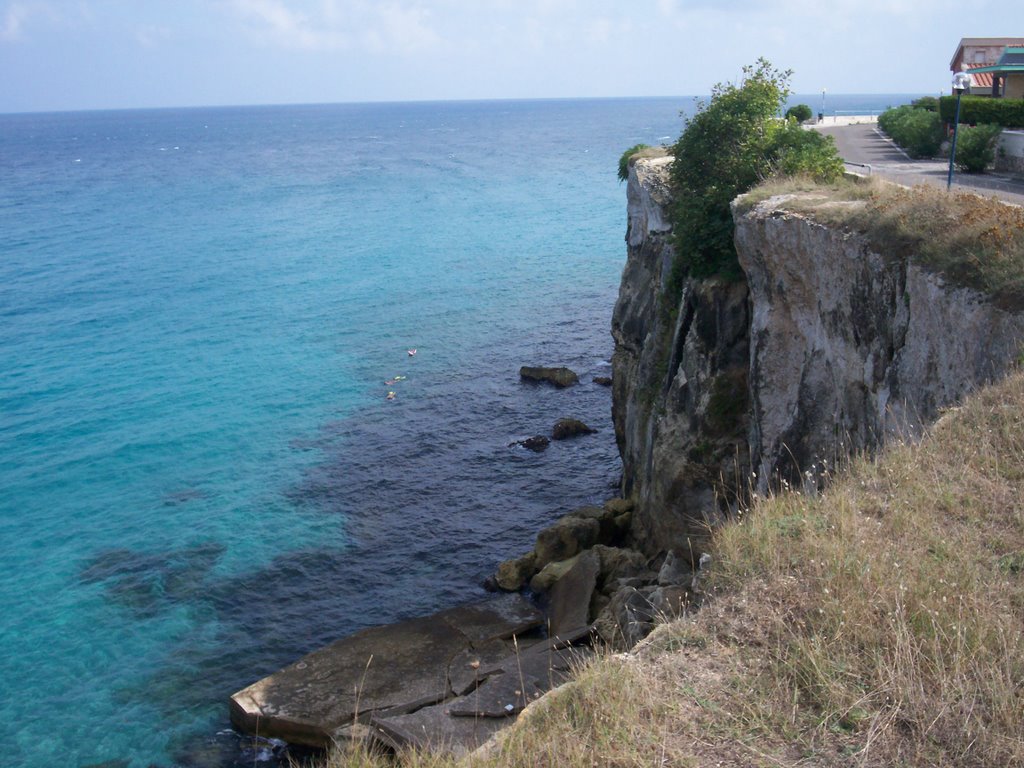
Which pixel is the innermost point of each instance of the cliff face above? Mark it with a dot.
(680, 399)
(827, 347)
(851, 346)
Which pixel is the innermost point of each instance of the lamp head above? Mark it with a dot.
(961, 82)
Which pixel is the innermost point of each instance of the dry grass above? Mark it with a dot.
(878, 624)
(974, 241)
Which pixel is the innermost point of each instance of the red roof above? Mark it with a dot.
(980, 79)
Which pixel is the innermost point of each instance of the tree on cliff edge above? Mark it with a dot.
(734, 141)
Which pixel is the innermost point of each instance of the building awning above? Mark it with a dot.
(979, 79)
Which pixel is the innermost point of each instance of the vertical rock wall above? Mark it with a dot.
(828, 347)
(852, 347)
(680, 400)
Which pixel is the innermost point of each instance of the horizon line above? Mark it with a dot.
(382, 102)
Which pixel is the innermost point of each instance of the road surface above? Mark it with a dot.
(863, 144)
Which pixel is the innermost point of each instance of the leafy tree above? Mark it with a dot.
(799, 113)
(734, 141)
(929, 103)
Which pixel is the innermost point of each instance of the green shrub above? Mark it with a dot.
(976, 147)
(929, 103)
(918, 131)
(626, 156)
(794, 151)
(978, 110)
(730, 144)
(799, 113)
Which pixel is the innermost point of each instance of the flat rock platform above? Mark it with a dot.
(443, 682)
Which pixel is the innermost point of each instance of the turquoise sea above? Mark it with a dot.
(200, 475)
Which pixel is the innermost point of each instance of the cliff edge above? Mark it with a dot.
(827, 347)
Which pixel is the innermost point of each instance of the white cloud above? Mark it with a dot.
(391, 27)
(16, 16)
(277, 22)
(401, 30)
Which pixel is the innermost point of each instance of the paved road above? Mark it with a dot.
(865, 145)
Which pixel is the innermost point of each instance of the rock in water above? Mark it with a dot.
(537, 443)
(604, 381)
(560, 377)
(566, 428)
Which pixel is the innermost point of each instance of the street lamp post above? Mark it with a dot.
(821, 115)
(961, 82)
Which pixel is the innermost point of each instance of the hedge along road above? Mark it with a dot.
(864, 144)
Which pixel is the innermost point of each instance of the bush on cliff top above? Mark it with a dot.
(734, 141)
(626, 157)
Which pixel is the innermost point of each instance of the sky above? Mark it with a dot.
(109, 54)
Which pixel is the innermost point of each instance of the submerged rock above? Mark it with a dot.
(604, 381)
(537, 443)
(566, 428)
(560, 377)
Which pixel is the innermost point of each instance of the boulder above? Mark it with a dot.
(433, 730)
(560, 377)
(604, 381)
(569, 607)
(550, 573)
(670, 602)
(629, 617)
(566, 538)
(513, 574)
(617, 563)
(675, 571)
(619, 506)
(566, 428)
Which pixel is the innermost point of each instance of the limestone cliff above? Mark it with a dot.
(680, 397)
(851, 346)
(826, 347)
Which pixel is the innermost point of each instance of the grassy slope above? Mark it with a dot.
(877, 624)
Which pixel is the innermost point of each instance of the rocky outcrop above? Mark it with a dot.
(566, 428)
(444, 682)
(680, 389)
(560, 377)
(851, 346)
(826, 347)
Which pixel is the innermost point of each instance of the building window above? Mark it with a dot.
(979, 57)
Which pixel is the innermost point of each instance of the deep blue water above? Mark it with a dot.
(200, 476)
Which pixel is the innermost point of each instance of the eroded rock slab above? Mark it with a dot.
(434, 730)
(570, 595)
(399, 667)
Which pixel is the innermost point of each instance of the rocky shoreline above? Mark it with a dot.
(451, 680)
